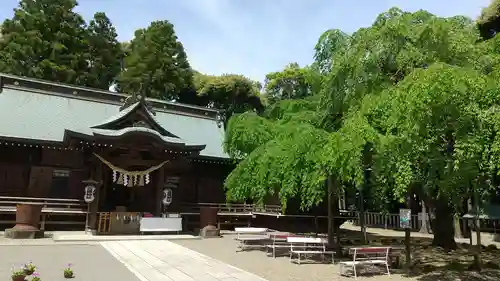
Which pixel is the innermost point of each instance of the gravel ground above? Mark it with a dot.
(278, 269)
(90, 262)
(281, 269)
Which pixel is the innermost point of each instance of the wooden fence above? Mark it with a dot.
(386, 221)
(229, 208)
(391, 221)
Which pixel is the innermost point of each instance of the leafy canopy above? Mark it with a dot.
(45, 39)
(157, 62)
(389, 85)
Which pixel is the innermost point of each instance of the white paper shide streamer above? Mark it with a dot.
(130, 178)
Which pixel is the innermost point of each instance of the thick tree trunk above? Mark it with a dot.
(333, 213)
(443, 226)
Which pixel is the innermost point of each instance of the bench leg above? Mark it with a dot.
(354, 270)
(298, 260)
(44, 218)
(387, 266)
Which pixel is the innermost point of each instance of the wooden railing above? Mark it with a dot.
(386, 221)
(391, 221)
(50, 205)
(230, 208)
(54, 210)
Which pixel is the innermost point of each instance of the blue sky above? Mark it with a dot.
(253, 37)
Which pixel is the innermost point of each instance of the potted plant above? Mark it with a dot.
(18, 275)
(29, 268)
(68, 272)
(35, 276)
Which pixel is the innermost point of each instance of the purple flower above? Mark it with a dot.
(70, 264)
(35, 274)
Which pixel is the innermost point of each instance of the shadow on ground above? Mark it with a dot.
(431, 263)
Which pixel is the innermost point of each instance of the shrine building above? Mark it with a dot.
(56, 138)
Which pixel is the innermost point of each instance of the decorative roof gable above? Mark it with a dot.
(136, 112)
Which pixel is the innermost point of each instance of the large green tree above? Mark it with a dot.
(105, 53)
(45, 39)
(293, 82)
(230, 93)
(156, 62)
(363, 103)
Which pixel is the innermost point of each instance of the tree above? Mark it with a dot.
(329, 44)
(293, 82)
(489, 20)
(230, 93)
(438, 139)
(157, 62)
(362, 103)
(105, 53)
(45, 39)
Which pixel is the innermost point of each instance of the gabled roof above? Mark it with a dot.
(123, 114)
(39, 110)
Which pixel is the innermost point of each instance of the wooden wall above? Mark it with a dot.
(209, 182)
(28, 171)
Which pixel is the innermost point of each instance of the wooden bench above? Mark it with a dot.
(300, 246)
(367, 256)
(251, 237)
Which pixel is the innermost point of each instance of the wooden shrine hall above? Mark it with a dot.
(132, 157)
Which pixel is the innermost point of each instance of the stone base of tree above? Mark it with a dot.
(16, 233)
(210, 231)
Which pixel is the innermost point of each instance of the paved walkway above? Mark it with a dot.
(162, 260)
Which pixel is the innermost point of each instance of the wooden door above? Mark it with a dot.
(40, 181)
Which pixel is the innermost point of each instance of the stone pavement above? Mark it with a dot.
(82, 237)
(165, 261)
(89, 262)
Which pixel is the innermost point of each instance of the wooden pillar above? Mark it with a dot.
(96, 175)
(159, 190)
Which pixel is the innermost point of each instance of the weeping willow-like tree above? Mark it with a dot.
(418, 88)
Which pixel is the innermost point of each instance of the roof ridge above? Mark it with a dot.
(103, 95)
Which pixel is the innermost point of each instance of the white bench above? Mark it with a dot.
(308, 246)
(279, 240)
(367, 256)
(251, 236)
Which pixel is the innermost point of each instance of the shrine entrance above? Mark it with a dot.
(134, 189)
(131, 156)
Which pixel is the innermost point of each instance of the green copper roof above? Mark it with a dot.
(41, 115)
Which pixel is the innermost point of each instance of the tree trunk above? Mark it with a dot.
(424, 226)
(333, 213)
(443, 226)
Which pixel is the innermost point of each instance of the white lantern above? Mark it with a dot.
(167, 196)
(89, 195)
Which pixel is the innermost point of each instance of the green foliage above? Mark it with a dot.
(157, 62)
(293, 82)
(330, 43)
(229, 92)
(417, 90)
(45, 39)
(105, 53)
(489, 20)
